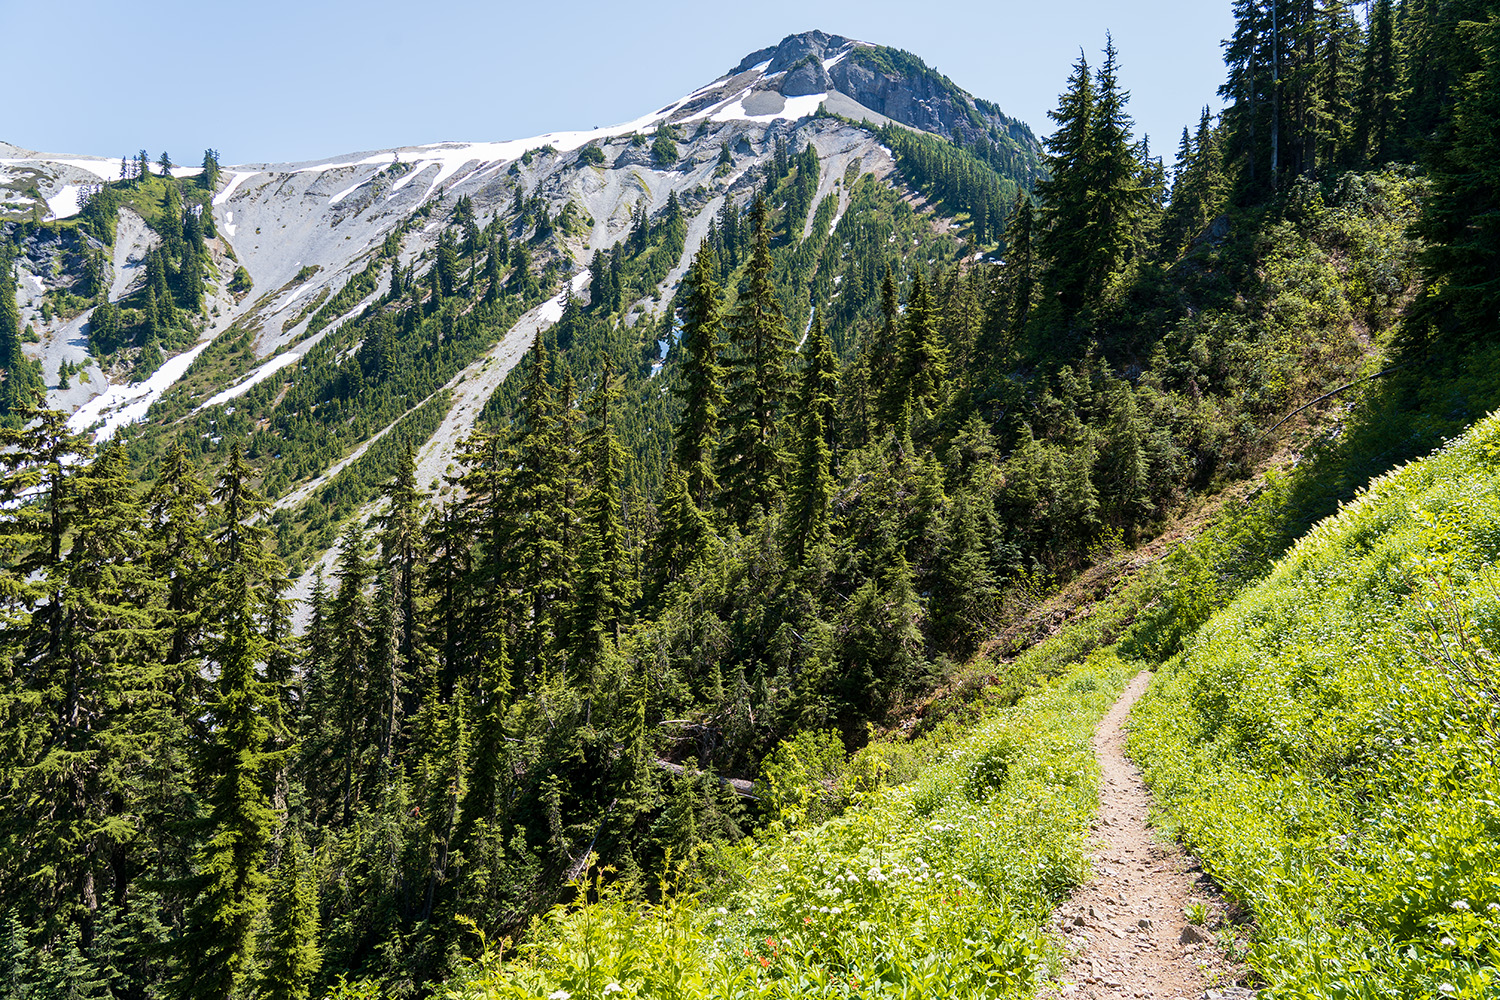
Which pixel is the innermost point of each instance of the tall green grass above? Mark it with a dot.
(1327, 741)
(935, 887)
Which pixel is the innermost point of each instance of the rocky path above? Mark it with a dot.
(1128, 934)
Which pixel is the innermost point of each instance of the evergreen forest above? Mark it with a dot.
(752, 644)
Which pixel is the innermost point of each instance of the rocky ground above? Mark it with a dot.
(1150, 924)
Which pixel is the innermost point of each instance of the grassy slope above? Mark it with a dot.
(1317, 744)
(933, 882)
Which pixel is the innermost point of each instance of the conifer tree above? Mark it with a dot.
(78, 657)
(209, 178)
(292, 953)
(1020, 261)
(700, 379)
(537, 561)
(176, 510)
(349, 629)
(1461, 218)
(1376, 125)
(227, 891)
(759, 377)
(605, 592)
(1066, 194)
(812, 485)
(924, 360)
(402, 554)
(448, 577)
(680, 544)
(886, 383)
(1199, 187)
(21, 385)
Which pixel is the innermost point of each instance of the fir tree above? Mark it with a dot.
(292, 954)
(176, 510)
(759, 377)
(1376, 127)
(605, 593)
(402, 551)
(700, 378)
(1461, 218)
(21, 385)
(812, 485)
(537, 560)
(209, 178)
(885, 355)
(228, 888)
(923, 370)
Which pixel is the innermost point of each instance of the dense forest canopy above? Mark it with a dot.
(802, 496)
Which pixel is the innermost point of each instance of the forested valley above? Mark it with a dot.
(690, 562)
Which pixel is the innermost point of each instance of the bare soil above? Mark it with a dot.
(1128, 933)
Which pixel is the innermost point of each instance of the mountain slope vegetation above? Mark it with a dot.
(831, 415)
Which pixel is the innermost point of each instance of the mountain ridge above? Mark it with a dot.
(332, 213)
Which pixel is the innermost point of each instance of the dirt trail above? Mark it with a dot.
(1127, 932)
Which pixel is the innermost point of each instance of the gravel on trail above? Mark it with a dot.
(1127, 931)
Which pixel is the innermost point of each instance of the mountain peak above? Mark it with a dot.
(794, 48)
(863, 81)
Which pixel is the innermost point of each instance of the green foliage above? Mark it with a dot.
(663, 148)
(1461, 221)
(936, 887)
(1326, 743)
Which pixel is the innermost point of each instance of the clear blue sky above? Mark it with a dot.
(270, 80)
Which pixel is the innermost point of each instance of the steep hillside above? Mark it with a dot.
(697, 590)
(1327, 742)
(295, 251)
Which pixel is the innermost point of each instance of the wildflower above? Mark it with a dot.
(1459, 904)
(722, 911)
(613, 988)
(1493, 907)
(1446, 942)
(1447, 989)
(559, 995)
(765, 963)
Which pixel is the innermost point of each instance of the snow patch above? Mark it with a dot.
(236, 178)
(260, 374)
(64, 204)
(796, 107)
(296, 293)
(126, 404)
(552, 310)
(346, 192)
(104, 169)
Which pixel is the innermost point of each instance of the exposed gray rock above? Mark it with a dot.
(806, 77)
(1193, 934)
(763, 102)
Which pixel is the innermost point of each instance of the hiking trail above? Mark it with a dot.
(1127, 930)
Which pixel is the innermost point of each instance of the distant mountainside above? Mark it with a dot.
(293, 251)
